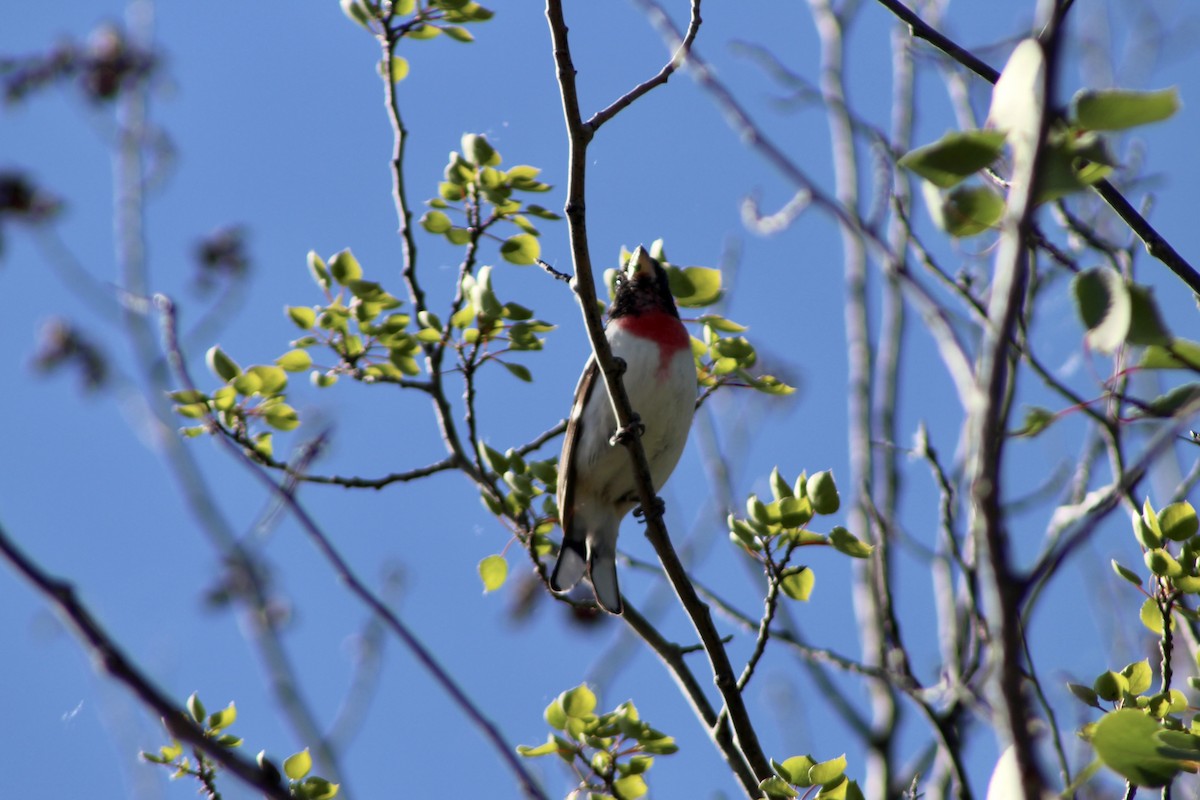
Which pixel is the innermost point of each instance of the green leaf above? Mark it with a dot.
(304, 316)
(518, 370)
(1037, 419)
(578, 702)
(798, 582)
(196, 708)
(356, 11)
(795, 770)
(631, 786)
(1177, 354)
(1085, 694)
(1126, 573)
(955, 156)
(272, 380)
(694, 287)
(298, 765)
(398, 71)
(222, 365)
(775, 787)
(827, 772)
(1118, 109)
(493, 570)
(478, 150)
(1139, 675)
(219, 720)
(457, 33)
(294, 361)
(282, 417)
(521, 249)
(1151, 617)
(423, 32)
(823, 493)
(316, 267)
(344, 267)
(1145, 533)
(436, 222)
(1168, 404)
(1127, 741)
(971, 210)
(847, 543)
(224, 398)
(1178, 521)
(1110, 686)
(550, 747)
(1104, 305)
(1145, 325)
(1162, 563)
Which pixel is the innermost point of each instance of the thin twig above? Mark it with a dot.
(109, 657)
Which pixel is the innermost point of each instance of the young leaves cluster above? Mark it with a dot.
(523, 482)
(610, 752)
(770, 532)
(803, 773)
(296, 768)
(418, 20)
(721, 359)
(1143, 735)
(1075, 157)
(483, 196)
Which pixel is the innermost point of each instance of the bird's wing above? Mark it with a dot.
(566, 465)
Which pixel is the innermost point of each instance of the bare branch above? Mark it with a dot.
(112, 659)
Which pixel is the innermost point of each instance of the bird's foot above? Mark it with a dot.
(659, 508)
(634, 429)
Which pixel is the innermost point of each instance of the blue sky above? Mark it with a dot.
(277, 123)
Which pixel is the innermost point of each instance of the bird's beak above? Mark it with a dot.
(640, 264)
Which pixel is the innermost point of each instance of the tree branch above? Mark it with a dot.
(579, 135)
(109, 657)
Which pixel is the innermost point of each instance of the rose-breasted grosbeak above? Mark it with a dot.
(596, 486)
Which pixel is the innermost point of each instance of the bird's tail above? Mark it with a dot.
(602, 569)
(594, 555)
(571, 564)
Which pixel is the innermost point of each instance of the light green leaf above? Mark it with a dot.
(694, 287)
(294, 361)
(1102, 299)
(1126, 573)
(1177, 354)
(519, 371)
(971, 210)
(344, 267)
(282, 417)
(798, 582)
(493, 570)
(846, 542)
(795, 770)
(1118, 109)
(435, 222)
(578, 702)
(522, 249)
(1127, 742)
(955, 156)
(1178, 521)
(298, 765)
(222, 365)
(827, 772)
(823, 493)
(304, 316)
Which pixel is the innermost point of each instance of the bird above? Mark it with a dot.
(596, 484)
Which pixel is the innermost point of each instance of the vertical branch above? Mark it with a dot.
(987, 421)
(748, 762)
